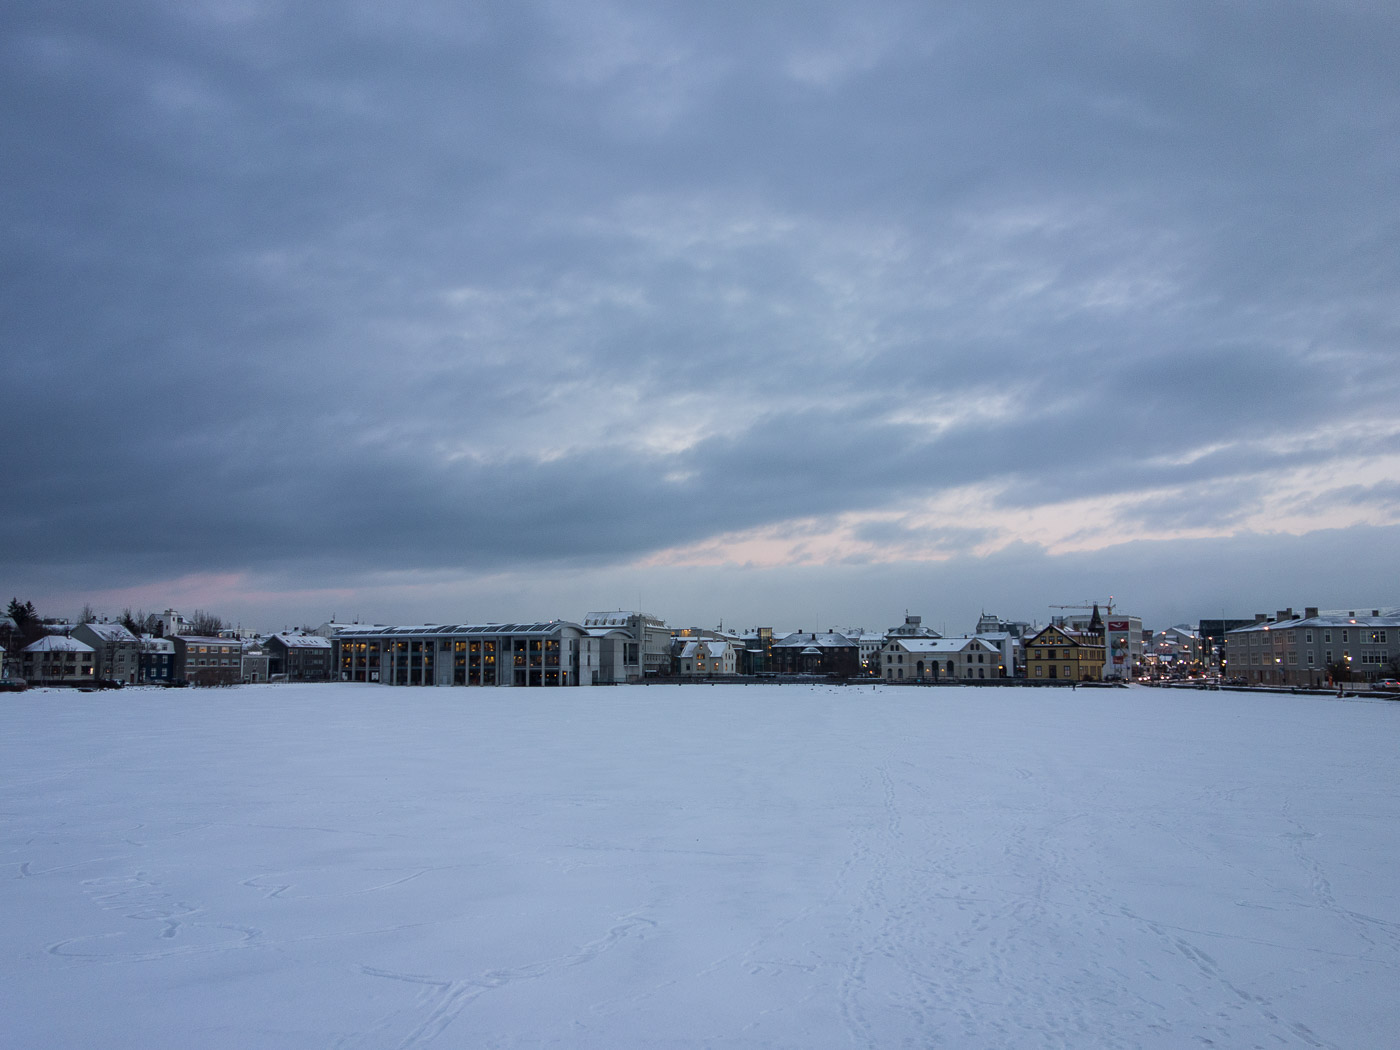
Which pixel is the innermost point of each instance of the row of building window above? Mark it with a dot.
(1280, 637)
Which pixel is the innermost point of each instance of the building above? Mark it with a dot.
(116, 651)
(756, 650)
(156, 661)
(1008, 645)
(57, 659)
(1212, 634)
(912, 627)
(205, 660)
(298, 657)
(257, 664)
(940, 660)
(1059, 653)
(990, 623)
(1174, 652)
(811, 653)
(652, 636)
(1123, 653)
(869, 643)
(707, 658)
(1315, 649)
(172, 623)
(549, 654)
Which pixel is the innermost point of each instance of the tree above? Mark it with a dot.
(88, 615)
(27, 624)
(140, 622)
(206, 624)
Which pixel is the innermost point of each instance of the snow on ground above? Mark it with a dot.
(367, 867)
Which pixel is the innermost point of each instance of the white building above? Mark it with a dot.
(941, 659)
(653, 638)
(57, 659)
(707, 658)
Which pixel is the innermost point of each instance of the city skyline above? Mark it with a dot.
(795, 315)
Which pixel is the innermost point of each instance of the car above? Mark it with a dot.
(1388, 683)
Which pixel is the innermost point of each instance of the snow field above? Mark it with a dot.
(350, 866)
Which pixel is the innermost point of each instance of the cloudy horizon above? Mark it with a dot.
(801, 315)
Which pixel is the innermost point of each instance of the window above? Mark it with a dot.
(1307, 636)
(1310, 658)
(1346, 636)
(1326, 636)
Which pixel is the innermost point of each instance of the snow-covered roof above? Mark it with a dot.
(708, 649)
(302, 641)
(1379, 618)
(940, 645)
(821, 639)
(110, 632)
(57, 643)
(603, 632)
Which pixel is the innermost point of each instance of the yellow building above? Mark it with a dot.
(1062, 654)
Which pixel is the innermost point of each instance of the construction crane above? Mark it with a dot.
(1106, 607)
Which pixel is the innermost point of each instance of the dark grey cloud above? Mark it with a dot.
(318, 292)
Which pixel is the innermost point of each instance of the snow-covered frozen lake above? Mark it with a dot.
(730, 866)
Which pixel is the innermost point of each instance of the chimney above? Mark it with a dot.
(1284, 614)
(1375, 612)
(1310, 612)
(1261, 617)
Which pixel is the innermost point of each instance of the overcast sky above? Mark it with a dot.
(786, 313)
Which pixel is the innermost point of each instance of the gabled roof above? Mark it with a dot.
(109, 632)
(708, 649)
(1069, 634)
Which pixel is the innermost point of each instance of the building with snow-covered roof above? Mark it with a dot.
(299, 657)
(1315, 649)
(1060, 653)
(56, 659)
(707, 657)
(116, 651)
(912, 627)
(652, 636)
(1009, 646)
(157, 660)
(817, 653)
(940, 659)
(207, 660)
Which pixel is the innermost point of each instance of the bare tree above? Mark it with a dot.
(88, 615)
(206, 623)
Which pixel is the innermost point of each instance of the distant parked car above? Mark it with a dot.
(1388, 683)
